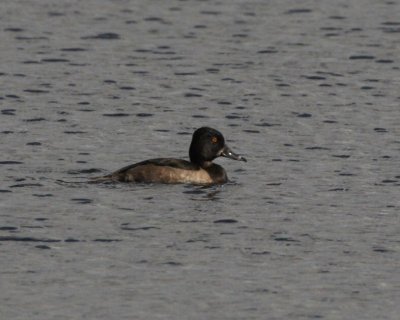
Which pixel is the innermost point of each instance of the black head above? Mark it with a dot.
(208, 144)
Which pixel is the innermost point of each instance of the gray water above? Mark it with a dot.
(308, 91)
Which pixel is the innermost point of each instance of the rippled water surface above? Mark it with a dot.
(308, 91)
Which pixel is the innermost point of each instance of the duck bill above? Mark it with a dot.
(228, 153)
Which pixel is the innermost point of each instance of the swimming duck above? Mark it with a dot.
(207, 144)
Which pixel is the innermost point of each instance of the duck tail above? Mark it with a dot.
(102, 179)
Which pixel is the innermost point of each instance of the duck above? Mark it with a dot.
(207, 144)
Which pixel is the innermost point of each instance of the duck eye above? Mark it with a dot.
(214, 140)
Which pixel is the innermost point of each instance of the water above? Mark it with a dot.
(307, 228)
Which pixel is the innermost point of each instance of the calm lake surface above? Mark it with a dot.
(307, 91)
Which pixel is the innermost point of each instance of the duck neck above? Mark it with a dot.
(197, 158)
(201, 163)
(206, 164)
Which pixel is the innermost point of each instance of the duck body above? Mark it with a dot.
(169, 170)
(207, 144)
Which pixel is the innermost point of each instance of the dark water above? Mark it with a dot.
(308, 91)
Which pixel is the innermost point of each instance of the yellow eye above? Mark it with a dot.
(214, 140)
